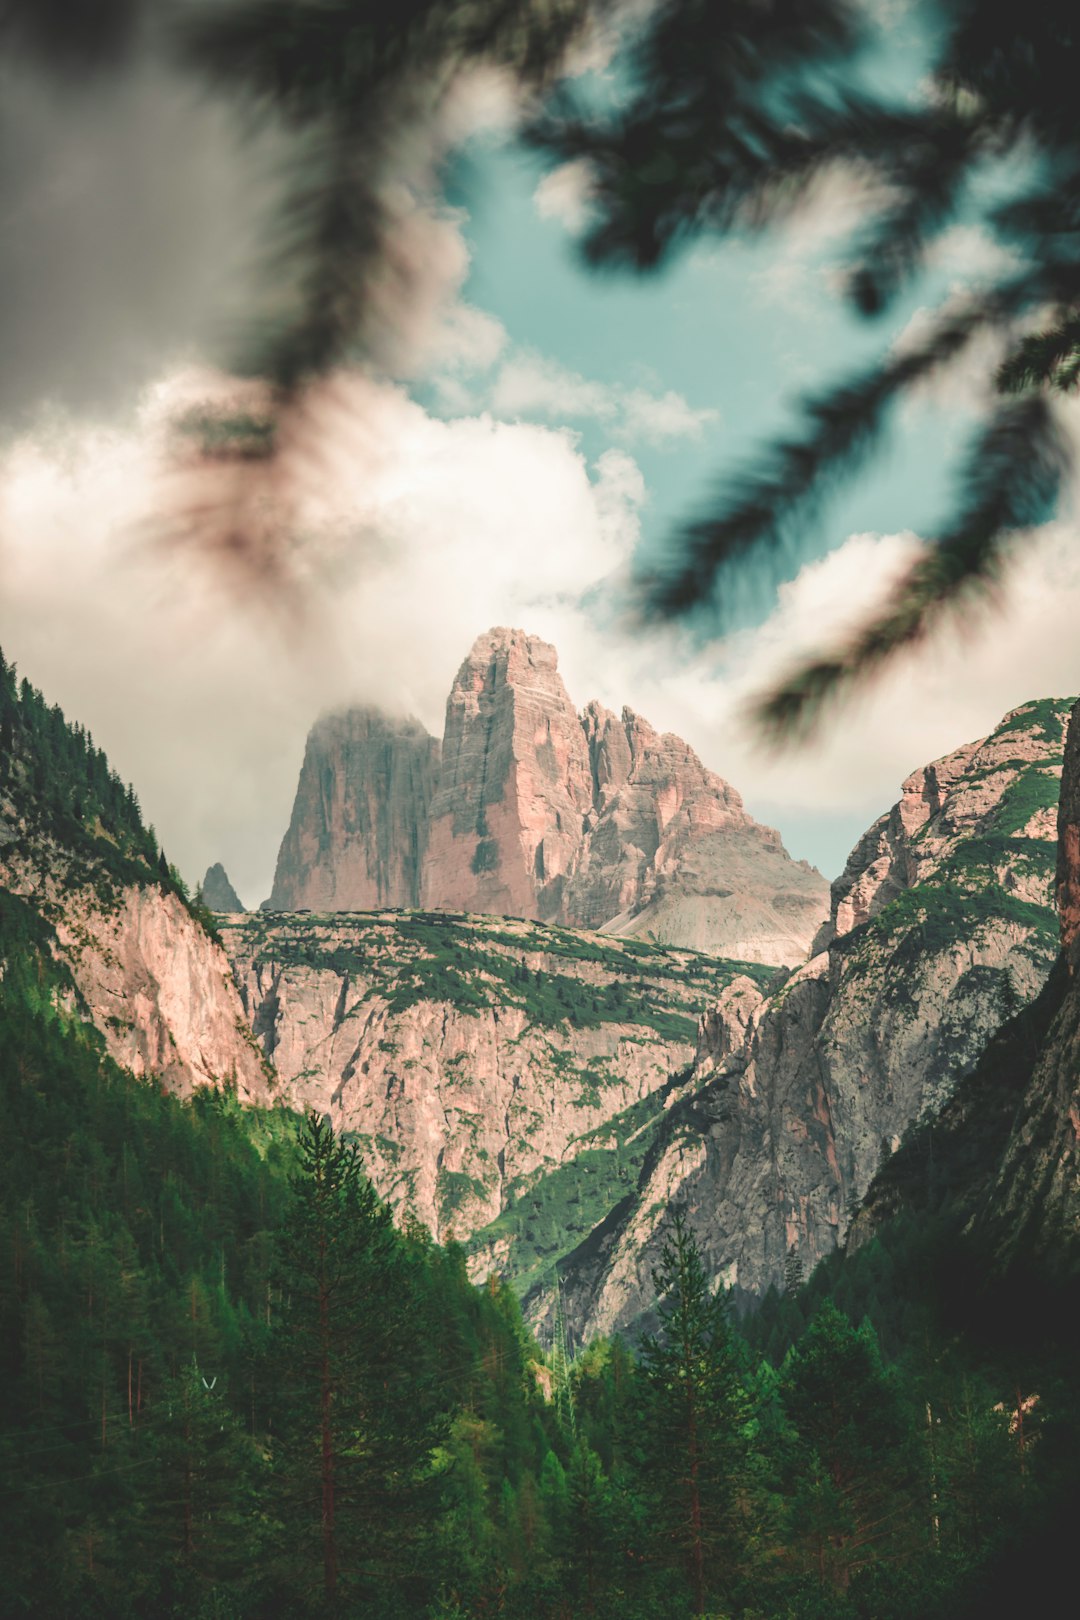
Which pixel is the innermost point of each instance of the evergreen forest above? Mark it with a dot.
(233, 1388)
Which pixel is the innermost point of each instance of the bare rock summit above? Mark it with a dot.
(218, 893)
(591, 821)
(508, 821)
(359, 825)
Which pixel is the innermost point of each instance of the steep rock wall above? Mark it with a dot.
(592, 821)
(941, 927)
(507, 821)
(500, 1076)
(359, 823)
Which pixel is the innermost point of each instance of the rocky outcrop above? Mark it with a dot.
(672, 855)
(161, 993)
(1032, 1212)
(941, 927)
(594, 822)
(999, 1174)
(218, 893)
(148, 976)
(1068, 858)
(508, 819)
(503, 1078)
(359, 826)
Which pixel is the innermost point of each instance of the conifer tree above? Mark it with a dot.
(853, 1495)
(358, 1400)
(693, 1411)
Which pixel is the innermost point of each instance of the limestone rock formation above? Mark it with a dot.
(218, 893)
(673, 856)
(1032, 1212)
(161, 993)
(941, 927)
(359, 824)
(149, 978)
(594, 821)
(508, 819)
(504, 1078)
(1004, 1172)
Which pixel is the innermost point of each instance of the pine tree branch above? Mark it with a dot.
(1011, 482)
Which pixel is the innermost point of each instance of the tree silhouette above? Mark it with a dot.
(734, 112)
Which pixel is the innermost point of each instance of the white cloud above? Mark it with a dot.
(468, 340)
(565, 195)
(420, 534)
(534, 385)
(530, 384)
(950, 690)
(963, 384)
(658, 418)
(970, 253)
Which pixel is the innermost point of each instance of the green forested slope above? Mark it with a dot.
(231, 1389)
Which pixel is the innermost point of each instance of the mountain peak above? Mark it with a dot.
(591, 820)
(218, 893)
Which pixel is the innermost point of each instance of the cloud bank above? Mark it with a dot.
(437, 530)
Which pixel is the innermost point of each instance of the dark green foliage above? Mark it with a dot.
(852, 1497)
(555, 1211)
(693, 1411)
(356, 1402)
(161, 1402)
(230, 1387)
(727, 116)
(69, 811)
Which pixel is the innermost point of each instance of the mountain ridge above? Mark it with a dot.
(530, 809)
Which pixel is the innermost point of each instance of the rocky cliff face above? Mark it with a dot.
(148, 976)
(941, 926)
(595, 822)
(1031, 1213)
(160, 991)
(672, 855)
(218, 893)
(1001, 1172)
(503, 1078)
(359, 825)
(508, 820)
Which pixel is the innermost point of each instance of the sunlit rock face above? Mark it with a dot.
(673, 856)
(592, 821)
(359, 824)
(941, 926)
(504, 1078)
(161, 993)
(149, 978)
(509, 818)
(1006, 1147)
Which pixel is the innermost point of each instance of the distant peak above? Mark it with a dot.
(218, 893)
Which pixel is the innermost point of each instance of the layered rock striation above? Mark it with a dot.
(503, 1078)
(941, 927)
(594, 821)
(508, 821)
